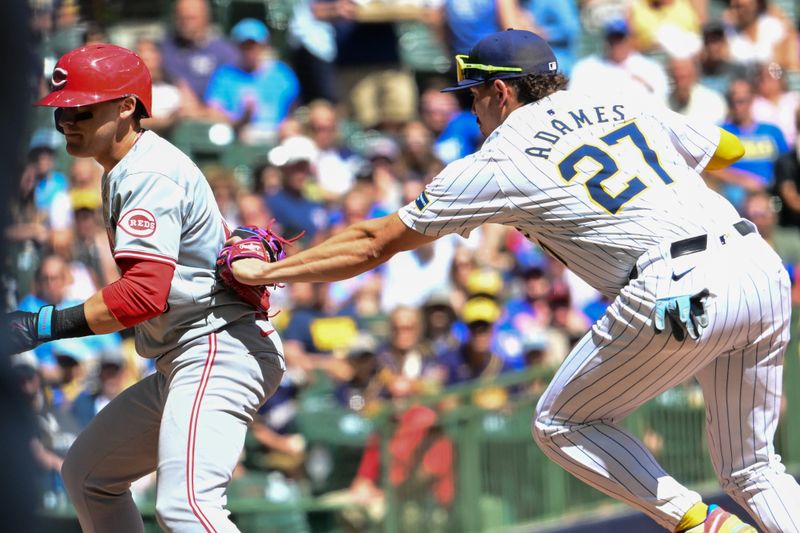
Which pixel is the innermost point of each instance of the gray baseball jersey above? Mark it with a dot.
(158, 206)
(604, 185)
(216, 363)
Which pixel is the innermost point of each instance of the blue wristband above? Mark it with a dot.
(44, 323)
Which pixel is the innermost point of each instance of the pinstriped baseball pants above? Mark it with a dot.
(187, 422)
(738, 361)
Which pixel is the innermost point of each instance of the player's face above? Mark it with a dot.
(487, 107)
(90, 130)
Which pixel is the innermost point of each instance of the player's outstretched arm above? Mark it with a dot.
(358, 248)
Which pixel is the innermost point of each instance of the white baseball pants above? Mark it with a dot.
(738, 360)
(188, 422)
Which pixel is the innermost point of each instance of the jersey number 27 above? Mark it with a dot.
(608, 168)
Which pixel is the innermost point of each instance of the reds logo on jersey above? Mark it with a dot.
(138, 222)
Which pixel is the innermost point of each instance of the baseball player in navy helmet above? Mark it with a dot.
(611, 187)
(216, 363)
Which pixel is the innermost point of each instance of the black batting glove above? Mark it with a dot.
(21, 331)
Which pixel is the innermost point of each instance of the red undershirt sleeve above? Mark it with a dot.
(141, 293)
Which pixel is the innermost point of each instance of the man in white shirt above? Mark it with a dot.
(689, 98)
(621, 69)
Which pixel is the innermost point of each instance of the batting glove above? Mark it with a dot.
(22, 331)
(686, 314)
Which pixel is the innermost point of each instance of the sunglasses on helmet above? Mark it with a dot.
(476, 71)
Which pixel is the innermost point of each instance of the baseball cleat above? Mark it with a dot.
(718, 520)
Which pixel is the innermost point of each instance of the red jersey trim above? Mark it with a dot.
(146, 256)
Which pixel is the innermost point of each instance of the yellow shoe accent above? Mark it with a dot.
(695, 516)
(721, 521)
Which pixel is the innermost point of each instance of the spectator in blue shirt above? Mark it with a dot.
(558, 23)
(456, 132)
(764, 144)
(293, 211)
(256, 94)
(50, 183)
(110, 382)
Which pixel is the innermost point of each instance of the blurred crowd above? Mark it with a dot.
(343, 130)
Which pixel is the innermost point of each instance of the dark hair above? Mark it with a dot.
(534, 87)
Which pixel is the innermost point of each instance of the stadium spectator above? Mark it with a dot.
(717, 69)
(763, 143)
(167, 106)
(760, 209)
(313, 332)
(47, 444)
(51, 288)
(620, 69)
(558, 23)
(107, 384)
(382, 152)
(335, 163)
(289, 205)
(361, 393)
(426, 269)
(474, 358)
(455, 132)
(385, 99)
(68, 32)
(256, 94)
(773, 103)
(692, 99)
(312, 41)
(787, 183)
(759, 32)
(406, 366)
(192, 52)
(670, 26)
(50, 194)
(26, 236)
(380, 94)
(90, 243)
(226, 191)
(468, 22)
(463, 264)
(439, 320)
(417, 160)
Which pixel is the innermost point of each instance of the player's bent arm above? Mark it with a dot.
(356, 249)
(729, 150)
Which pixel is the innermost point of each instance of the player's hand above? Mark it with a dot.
(248, 271)
(18, 330)
(686, 314)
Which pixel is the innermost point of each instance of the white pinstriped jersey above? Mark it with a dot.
(158, 206)
(595, 182)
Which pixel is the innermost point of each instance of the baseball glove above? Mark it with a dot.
(259, 243)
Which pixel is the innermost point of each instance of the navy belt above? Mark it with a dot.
(693, 245)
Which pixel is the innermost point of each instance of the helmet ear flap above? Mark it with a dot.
(57, 118)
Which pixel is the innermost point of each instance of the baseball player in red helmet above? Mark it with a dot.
(216, 362)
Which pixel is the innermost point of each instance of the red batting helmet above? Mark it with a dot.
(98, 73)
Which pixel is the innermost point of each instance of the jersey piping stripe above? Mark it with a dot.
(192, 439)
(136, 254)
